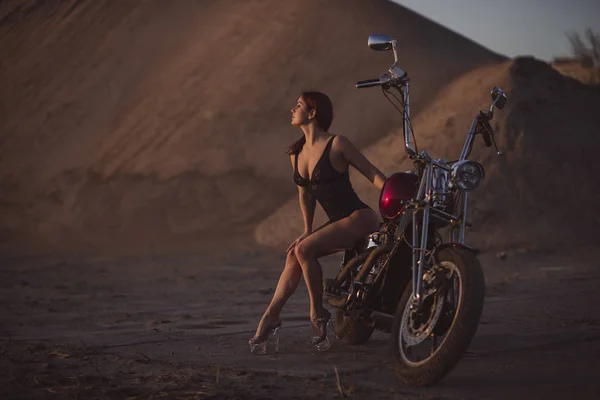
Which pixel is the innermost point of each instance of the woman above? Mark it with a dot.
(320, 162)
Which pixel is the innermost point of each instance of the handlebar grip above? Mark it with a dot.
(486, 138)
(368, 83)
(486, 131)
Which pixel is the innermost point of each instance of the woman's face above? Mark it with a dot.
(301, 115)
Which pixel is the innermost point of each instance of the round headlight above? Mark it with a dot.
(467, 175)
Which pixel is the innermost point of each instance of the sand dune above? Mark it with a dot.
(153, 126)
(573, 68)
(542, 192)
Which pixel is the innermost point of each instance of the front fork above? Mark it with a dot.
(419, 248)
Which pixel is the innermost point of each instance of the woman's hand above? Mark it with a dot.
(300, 238)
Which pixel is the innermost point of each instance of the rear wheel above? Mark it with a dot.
(352, 329)
(428, 341)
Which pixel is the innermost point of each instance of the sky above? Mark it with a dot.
(514, 27)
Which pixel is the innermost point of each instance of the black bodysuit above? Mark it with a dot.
(332, 189)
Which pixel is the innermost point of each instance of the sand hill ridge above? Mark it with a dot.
(153, 126)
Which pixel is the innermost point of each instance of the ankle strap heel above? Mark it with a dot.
(258, 344)
(323, 327)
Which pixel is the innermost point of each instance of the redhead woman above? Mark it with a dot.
(320, 162)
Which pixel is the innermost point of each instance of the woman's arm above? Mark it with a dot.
(307, 204)
(360, 162)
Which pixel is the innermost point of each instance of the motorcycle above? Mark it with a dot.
(405, 279)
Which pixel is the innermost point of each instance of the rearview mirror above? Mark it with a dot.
(498, 97)
(382, 42)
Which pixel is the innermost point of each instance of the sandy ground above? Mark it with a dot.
(176, 326)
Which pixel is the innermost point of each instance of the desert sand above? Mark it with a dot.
(147, 201)
(177, 327)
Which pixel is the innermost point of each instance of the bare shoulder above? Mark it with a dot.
(353, 156)
(341, 142)
(344, 145)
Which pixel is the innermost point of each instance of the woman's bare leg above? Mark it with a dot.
(335, 237)
(287, 285)
(288, 281)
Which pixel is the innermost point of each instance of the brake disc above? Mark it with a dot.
(414, 330)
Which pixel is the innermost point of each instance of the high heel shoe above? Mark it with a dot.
(322, 327)
(258, 344)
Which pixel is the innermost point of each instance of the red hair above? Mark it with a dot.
(321, 103)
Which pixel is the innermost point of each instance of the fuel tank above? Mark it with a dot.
(397, 191)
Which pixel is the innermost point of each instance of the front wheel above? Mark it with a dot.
(428, 341)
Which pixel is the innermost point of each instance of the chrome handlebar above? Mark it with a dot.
(398, 78)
